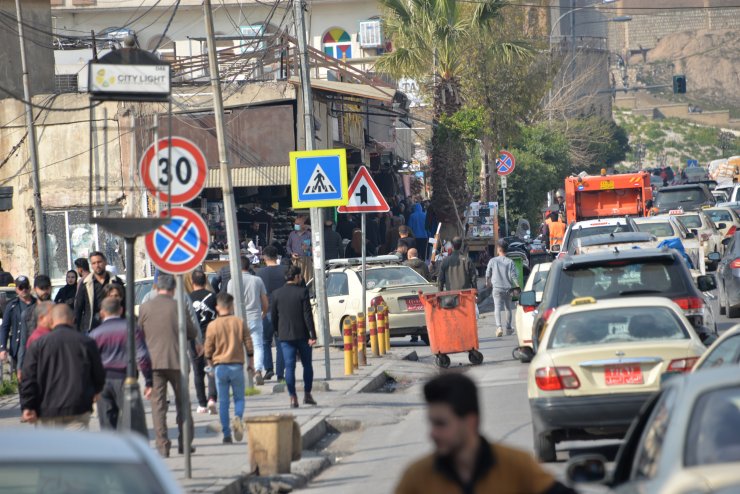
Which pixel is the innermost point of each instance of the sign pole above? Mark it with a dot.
(317, 216)
(184, 368)
(364, 262)
(506, 215)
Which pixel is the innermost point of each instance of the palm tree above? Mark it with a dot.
(430, 41)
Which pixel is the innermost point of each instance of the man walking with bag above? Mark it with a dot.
(502, 277)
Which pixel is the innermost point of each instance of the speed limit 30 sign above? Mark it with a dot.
(186, 175)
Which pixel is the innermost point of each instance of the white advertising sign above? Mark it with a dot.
(140, 79)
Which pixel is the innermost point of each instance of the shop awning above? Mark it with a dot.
(252, 176)
(377, 93)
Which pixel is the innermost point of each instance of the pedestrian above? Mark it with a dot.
(346, 225)
(332, 241)
(15, 318)
(82, 266)
(42, 288)
(293, 318)
(556, 230)
(273, 277)
(159, 322)
(391, 235)
(457, 271)
(204, 304)
(417, 223)
(221, 280)
(62, 376)
(373, 229)
(464, 461)
(227, 340)
(405, 236)
(259, 239)
(502, 278)
(66, 294)
(90, 294)
(6, 279)
(111, 338)
(354, 248)
(402, 250)
(417, 264)
(38, 325)
(299, 240)
(256, 305)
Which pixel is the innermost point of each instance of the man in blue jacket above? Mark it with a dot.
(417, 223)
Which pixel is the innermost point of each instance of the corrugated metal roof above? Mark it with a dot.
(360, 90)
(253, 176)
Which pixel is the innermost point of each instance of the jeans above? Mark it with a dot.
(290, 350)
(502, 303)
(255, 328)
(229, 377)
(199, 378)
(268, 335)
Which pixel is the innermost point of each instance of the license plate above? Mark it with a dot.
(414, 304)
(606, 184)
(615, 375)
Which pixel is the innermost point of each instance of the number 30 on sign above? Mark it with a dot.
(185, 175)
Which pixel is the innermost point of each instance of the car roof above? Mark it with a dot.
(609, 255)
(33, 445)
(616, 238)
(599, 222)
(587, 304)
(684, 187)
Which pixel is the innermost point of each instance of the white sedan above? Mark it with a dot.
(700, 225)
(665, 226)
(525, 316)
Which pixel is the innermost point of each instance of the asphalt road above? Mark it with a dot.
(376, 456)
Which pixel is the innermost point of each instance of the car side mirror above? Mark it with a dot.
(528, 299)
(714, 256)
(555, 248)
(706, 283)
(721, 226)
(726, 241)
(589, 469)
(690, 235)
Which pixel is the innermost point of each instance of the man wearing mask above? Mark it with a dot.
(299, 240)
(332, 241)
(13, 330)
(90, 294)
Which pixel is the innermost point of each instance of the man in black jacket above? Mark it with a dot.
(15, 318)
(90, 293)
(62, 376)
(293, 318)
(332, 241)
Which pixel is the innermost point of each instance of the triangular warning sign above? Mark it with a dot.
(318, 183)
(364, 195)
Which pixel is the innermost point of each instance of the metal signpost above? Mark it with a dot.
(364, 197)
(505, 164)
(319, 179)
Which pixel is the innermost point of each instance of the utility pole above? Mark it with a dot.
(38, 214)
(317, 214)
(232, 233)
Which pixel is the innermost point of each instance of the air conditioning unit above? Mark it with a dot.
(371, 35)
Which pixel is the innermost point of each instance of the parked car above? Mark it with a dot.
(685, 440)
(66, 462)
(601, 226)
(724, 351)
(632, 274)
(388, 282)
(599, 361)
(524, 317)
(686, 197)
(665, 227)
(728, 278)
(705, 230)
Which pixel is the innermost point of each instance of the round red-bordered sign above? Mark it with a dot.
(181, 245)
(505, 163)
(187, 172)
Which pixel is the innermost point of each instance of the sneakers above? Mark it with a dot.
(228, 440)
(201, 410)
(237, 427)
(258, 379)
(509, 332)
(268, 375)
(308, 399)
(499, 332)
(212, 407)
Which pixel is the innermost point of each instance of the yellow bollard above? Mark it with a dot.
(380, 321)
(387, 329)
(373, 331)
(355, 363)
(347, 329)
(361, 339)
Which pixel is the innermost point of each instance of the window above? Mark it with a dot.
(252, 34)
(69, 235)
(714, 431)
(65, 83)
(719, 215)
(690, 221)
(371, 35)
(724, 354)
(337, 43)
(657, 229)
(337, 284)
(651, 444)
(393, 276)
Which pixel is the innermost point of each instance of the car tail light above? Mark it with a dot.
(682, 364)
(731, 231)
(692, 306)
(735, 264)
(377, 301)
(529, 308)
(556, 378)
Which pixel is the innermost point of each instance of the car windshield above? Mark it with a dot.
(577, 232)
(540, 277)
(719, 215)
(678, 197)
(621, 278)
(603, 326)
(664, 229)
(393, 276)
(77, 478)
(714, 432)
(690, 220)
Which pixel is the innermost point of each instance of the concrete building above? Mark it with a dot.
(39, 51)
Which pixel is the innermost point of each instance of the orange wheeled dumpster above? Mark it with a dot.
(452, 324)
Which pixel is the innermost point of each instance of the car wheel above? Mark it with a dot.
(525, 354)
(425, 338)
(475, 357)
(443, 360)
(544, 447)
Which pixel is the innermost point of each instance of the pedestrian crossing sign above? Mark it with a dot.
(318, 178)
